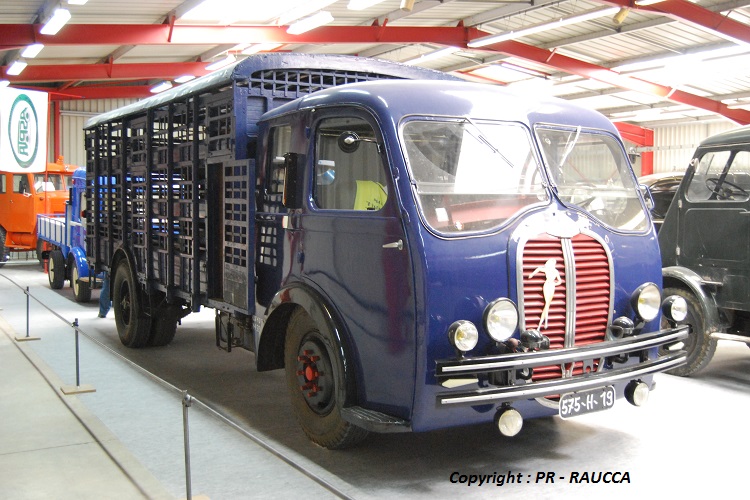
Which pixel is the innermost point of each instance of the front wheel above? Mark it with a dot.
(699, 345)
(313, 375)
(133, 325)
(81, 289)
(56, 271)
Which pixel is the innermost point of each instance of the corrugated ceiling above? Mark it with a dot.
(585, 60)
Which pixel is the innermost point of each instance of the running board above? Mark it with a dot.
(374, 421)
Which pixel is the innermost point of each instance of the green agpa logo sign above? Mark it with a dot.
(23, 131)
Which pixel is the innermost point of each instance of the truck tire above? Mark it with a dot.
(3, 250)
(164, 325)
(133, 325)
(56, 271)
(81, 289)
(309, 360)
(699, 345)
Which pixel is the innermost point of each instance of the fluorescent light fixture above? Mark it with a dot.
(407, 5)
(432, 55)
(643, 3)
(261, 47)
(564, 21)
(229, 59)
(362, 4)
(32, 50)
(16, 67)
(77, 2)
(184, 78)
(302, 9)
(56, 22)
(4, 83)
(310, 23)
(161, 87)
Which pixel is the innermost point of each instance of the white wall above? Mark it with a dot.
(674, 145)
(73, 115)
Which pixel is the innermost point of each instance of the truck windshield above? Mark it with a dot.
(52, 182)
(590, 172)
(470, 175)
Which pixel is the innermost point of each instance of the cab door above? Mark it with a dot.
(714, 226)
(22, 216)
(354, 249)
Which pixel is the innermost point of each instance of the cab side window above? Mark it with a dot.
(721, 176)
(21, 183)
(2, 183)
(349, 171)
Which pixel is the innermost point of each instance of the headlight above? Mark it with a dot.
(500, 319)
(463, 335)
(646, 300)
(675, 308)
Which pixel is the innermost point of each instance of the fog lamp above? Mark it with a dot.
(675, 308)
(500, 319)
(508, 421)
(646, 300)
(637, 393)
(463, 335)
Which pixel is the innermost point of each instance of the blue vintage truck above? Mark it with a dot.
(415, 251)
(66, 236)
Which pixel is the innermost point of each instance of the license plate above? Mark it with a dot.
(590, 401)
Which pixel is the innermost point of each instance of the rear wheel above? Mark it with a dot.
(164, 325)
(56, 271)
(699, 345)
(314, 375)
(81, 289)
(133, 325)
(3, 250)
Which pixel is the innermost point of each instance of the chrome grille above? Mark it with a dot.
(579, 310)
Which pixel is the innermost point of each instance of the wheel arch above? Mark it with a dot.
(270, 345)
(681, 277)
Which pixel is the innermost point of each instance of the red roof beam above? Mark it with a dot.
(694, 14)
(155, 34)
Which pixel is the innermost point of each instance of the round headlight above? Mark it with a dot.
(675, 308)
(646, 301)
(501, 319)
(463, 335)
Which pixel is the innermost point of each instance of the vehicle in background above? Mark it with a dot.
(705, 246)
(25, 195)
(662, 187)
(66, 237)
(415, 254)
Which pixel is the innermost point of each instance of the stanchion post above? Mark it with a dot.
(78, 388)
(187, 400)
(28, 320)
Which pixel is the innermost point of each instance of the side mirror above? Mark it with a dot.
(646, 193)
(293, 168)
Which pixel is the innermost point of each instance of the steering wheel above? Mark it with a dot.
(721, 192)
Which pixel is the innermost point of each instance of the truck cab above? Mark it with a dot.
(416, 252)
(705, 245)
(23, 196)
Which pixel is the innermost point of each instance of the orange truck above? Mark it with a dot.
(23, 196)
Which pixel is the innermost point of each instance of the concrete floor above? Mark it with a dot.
(686, 442)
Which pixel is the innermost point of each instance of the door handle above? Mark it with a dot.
(396, 244)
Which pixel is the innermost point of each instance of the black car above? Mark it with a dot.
(705, 246)
(663, 187)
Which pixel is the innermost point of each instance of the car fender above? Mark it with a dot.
(686, 278)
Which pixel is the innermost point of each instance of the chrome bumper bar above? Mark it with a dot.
(471, 367)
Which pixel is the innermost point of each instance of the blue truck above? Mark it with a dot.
(416, 252)
(65, 235)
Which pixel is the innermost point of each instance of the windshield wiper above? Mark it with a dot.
(480, 136)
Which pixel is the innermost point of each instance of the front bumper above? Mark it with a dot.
(613, 353)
